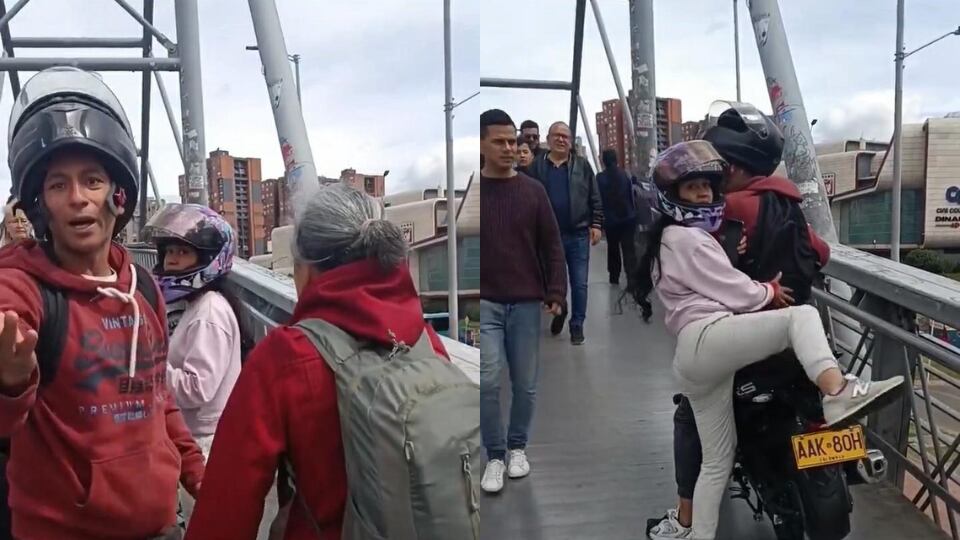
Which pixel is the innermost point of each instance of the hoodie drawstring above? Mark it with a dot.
(128, 298)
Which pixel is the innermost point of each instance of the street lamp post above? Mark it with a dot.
(295, 58)
(736, 44)
(897, 189)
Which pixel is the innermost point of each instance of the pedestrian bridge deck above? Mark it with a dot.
(601, 444)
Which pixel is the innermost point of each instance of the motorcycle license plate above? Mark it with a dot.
(829, 447)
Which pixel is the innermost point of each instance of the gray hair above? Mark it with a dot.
(338, 225)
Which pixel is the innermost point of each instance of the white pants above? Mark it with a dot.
(709, 352)
(205, 442)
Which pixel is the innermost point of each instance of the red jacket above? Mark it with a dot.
(95, 454)
(285, 403)
(744, 205)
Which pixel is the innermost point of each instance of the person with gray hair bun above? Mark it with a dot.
(353, 283)
(339, 225)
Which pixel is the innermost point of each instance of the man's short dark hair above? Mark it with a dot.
(529, 124)
(494, 117)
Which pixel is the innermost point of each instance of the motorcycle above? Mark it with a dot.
(788, 465)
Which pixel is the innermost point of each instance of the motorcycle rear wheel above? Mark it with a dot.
(826, 502)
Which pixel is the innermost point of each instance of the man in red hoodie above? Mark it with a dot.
(778, 240)
(97, 444)
(351, 272)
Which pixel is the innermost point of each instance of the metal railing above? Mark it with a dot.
(269, 298)
(920, 433)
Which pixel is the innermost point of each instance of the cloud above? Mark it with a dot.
(430, 170)
(371, 73)
(865, 114)
(845, 70)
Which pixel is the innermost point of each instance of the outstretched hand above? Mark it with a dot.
(784, 295)
(18, 356)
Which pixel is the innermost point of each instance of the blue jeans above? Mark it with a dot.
(576, 248)
(509, 334)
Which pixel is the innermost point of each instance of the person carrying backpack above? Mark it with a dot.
(354, 398)
(722, 322)
(778, 240)
(97, 445)
(620, 216)
(195, 251)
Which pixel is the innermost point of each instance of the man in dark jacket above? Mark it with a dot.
(619, 216)
(575, 198)
(778, 240)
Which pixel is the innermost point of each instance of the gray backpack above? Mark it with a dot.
(410, 423)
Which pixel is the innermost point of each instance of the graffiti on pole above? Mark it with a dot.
(761, 26)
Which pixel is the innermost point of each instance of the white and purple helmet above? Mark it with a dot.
(685, 161)
(200, 228)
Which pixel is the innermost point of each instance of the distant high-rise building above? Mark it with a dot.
(612, 129)
(612, 132)
(669, 119)
(234, 187)
(276, 205)
(691, 130)
(373, 185)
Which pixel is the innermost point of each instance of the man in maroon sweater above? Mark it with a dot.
(523, 272)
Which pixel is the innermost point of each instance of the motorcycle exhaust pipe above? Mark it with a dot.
(872, 468)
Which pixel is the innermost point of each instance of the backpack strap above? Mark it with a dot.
(333, 344)
(147, 287)
(52, 332)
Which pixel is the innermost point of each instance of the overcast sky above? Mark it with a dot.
(372, 79)
(842, 50)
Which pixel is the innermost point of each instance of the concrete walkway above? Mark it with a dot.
(601, 447)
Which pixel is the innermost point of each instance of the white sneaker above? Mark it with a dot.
(669, 528)
(519, 465)
(492, 481)
(857, 398)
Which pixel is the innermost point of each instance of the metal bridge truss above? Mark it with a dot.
(882, 313)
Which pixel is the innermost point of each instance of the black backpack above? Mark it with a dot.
(781, 243)
(53, 324)
(52, 334)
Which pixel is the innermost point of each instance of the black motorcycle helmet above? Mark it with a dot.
(745, 136)
(66, 107)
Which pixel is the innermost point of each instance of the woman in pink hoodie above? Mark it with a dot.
(718, 316)
(195, 251)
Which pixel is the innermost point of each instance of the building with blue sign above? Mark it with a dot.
(858, 176)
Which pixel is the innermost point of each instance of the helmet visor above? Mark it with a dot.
(751, 116)
(174, 220)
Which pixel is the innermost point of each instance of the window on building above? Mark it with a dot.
(868, 219)
(227, 191)
(433, 266)
(370, 185)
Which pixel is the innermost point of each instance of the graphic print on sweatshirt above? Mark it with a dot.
(93, 381)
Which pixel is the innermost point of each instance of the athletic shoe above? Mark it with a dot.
(519, 465)
(492, 481)
(668, 528)
(857, 398)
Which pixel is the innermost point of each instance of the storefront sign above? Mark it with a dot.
(949, 215)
